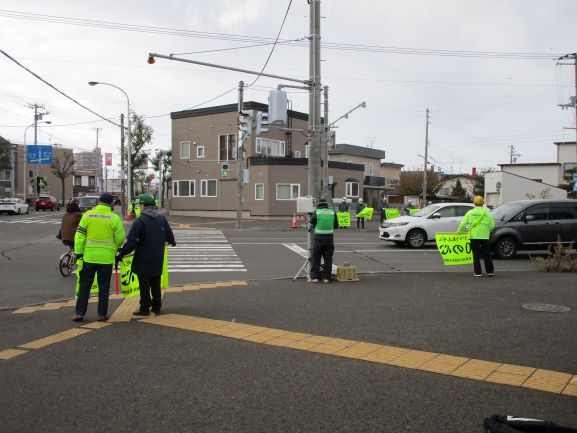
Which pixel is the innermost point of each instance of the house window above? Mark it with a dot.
(91, 181)
(200, 152)
(185, 150)
(77, 180)
(370, 168)
(266, 146)
(306, 151)
(183, 188)
(227, 147)
(287, 191)
(352, 189)
(5, 174)
(208, 188)
(259, 191)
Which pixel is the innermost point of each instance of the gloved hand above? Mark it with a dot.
(118, 258)
(79, 257)
(173, 244)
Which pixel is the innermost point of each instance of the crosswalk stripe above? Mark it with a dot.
(203, 251)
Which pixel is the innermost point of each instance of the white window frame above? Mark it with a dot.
(264, 146)
(256, 185)
(349, 189)
(291, 188)
(200, 152)
(176, 188)
(184, 145)
(204, 188)
(229, 150)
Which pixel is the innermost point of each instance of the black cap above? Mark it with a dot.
(106, 198)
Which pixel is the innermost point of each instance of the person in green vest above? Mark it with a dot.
(479, 223)
(323, 222)
(156, 202)
(135, 208)
(360, 220)
(382, 206)
(98, 236)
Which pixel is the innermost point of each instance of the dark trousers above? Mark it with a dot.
(149, 285)
(103, 274)
(361, 221)
(323, 246)
(480, 248)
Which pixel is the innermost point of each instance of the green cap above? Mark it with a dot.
(146, 200)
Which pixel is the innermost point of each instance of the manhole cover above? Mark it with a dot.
(547, 308)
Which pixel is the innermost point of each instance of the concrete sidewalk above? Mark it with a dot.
(405, 352)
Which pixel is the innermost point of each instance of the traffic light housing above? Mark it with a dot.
(246, 120)
(224, 170)
(261, 123)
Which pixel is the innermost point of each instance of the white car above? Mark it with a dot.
(13, 205)
(417, 229)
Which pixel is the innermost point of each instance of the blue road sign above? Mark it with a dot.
(575, 181)
(39, 154)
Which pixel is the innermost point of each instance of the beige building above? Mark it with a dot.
(204, 166)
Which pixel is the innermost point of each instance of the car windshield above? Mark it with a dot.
(506, 211)
(88, 201)
(425, 212)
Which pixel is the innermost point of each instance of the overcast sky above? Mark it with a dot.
(480, 104)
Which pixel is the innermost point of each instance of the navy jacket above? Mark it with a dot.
(147, 238)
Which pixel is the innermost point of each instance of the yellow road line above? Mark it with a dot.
(124, 311)
(56, 338)
(25, 310)
(458, 366)
(11, 353)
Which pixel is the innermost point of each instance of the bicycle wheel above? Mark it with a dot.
(66, 264)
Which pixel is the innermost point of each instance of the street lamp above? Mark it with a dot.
(129, 162)
(25, 153)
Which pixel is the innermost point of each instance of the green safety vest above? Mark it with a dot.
(135, 209)
(325, 222)
(99, 235)
(479, 222)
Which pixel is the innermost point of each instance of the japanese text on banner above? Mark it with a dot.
(455, 248)
(366, 213)
(344, 219)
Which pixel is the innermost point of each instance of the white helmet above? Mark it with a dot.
(360, 200)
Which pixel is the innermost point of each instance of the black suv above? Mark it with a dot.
(533, 224)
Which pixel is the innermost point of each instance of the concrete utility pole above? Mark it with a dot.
(513, 154)
(123, 201)
(426, 159)
(326, 138)
(314, 162)
(105, 186)
(37, 116)
(573, 102)
(239, 153)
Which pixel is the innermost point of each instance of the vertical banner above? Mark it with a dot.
(455, 248)
(344, 219)
(108, 159)
(129, 280)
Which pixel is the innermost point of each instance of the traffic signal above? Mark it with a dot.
(245, 121)
(261, 123)
(224, 170)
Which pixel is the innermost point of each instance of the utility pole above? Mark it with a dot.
(573, 100)
(325, 147)
(123, 202)
(239, 153)
(426, 159)
(37, 116)
(97, 164)
(513, 154)
(314, 162)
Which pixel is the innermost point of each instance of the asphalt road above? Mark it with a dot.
(207, 250)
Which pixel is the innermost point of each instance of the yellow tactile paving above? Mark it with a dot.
(71, 303)
(96, 325)
(413, 359)
(52, 306)
(547, 380)
(25, 310)
(11, 353)
(124, 311)
(223, 284)
(56, 338)
(239, 283)
(190, 287)
(476, 369)
(443, 364)
(571, 388)
(385, 354)
(207, 286)
(173, 289)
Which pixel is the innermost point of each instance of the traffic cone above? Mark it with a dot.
(294, 222)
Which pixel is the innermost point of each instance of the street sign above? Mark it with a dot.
(39, 154)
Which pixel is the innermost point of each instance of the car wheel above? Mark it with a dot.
(416, 238)
(27, 210)
(19, 211)
(506, 248)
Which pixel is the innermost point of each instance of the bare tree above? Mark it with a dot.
(63, 169)
(411, 183)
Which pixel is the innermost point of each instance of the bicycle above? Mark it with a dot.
(67, 263)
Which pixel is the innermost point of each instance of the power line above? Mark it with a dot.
(55, 88)
(255, 39)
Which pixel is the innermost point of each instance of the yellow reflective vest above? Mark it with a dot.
(99, 235)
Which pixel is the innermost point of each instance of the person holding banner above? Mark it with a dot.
(360, 220)
(147, 237)
(323, 221)
(408, 207)
(382, 206)
(98, 236)
(342, 209)
(479, 223)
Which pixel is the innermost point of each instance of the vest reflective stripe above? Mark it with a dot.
(96, 242)
(325, 222)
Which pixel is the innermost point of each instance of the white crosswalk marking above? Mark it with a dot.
(202, 251)
(31, 221)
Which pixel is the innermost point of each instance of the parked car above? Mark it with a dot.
(533, 224)
(419, 228)
(13, 205)
(45, 202)
(87, 202)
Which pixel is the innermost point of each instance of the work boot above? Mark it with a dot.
(141, 313)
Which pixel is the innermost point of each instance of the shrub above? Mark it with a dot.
(560, 258)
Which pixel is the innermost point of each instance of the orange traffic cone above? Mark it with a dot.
(294, 222)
